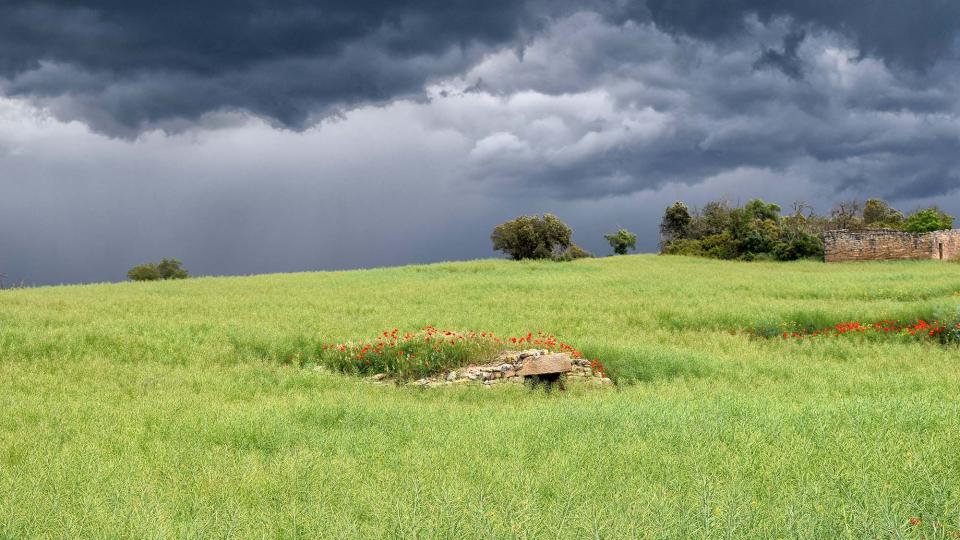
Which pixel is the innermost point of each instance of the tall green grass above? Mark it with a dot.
(158, 410)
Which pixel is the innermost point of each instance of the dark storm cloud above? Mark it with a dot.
(910, 32)
(596, 109)
(785, 60)
(125, 66)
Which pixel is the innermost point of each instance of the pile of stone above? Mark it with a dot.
(533, 365)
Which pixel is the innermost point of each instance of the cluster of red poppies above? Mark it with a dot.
(922, 328)
(432, 350)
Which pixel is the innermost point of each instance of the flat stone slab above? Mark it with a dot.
(550, 364)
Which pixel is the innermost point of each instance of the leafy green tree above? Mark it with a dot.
(166, 269)
(145, 272)
(758, 209)
(532, 237)
(171, 269)
(927, 220)
(675, 224)
(878, 214)
(622, 241)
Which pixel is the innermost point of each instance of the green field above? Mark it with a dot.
(158, 410)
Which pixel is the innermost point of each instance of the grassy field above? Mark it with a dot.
(159, 410)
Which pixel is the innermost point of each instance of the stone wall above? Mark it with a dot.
(950, 240)
(886, 244)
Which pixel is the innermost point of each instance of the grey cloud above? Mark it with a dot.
(125, 66)
(786, 60)
(914, 33)
(566, 121)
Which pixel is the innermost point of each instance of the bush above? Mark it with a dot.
(166, 269)
(928, 220)
(622, 241)
(574, 252)
(532, 237)
(145, 272)
(685, 246)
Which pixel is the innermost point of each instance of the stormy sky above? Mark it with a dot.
(247, 136)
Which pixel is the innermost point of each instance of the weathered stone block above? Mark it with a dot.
(550, 364)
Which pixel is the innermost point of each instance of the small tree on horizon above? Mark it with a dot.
(144, 272)
(622, 241)
(172, 269)
(532, 237)
(165, 269)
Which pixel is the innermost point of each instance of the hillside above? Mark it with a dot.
(168, 408)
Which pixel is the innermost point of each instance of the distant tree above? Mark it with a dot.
(145, 272)
(927, 220)
(878, 214)
(754, 231)
(532, 237)
(165, 269)
(171, 269)
(622, 241)
(675, 224)
(846, 215)
(758, 209)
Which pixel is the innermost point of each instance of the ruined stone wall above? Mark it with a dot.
(950, 240)
(885, 244)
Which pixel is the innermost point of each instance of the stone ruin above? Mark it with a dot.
(888, 244)
(517, 367)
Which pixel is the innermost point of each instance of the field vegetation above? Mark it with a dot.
(172, 409)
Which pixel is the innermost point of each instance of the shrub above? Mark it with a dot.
(573, 252)
(622, 241)
(532, 237)
(803, 246)
(166, 269)
(685, 246)
(927, 220)
(145, 272)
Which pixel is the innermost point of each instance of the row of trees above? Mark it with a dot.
(547, 237)
(759, 230)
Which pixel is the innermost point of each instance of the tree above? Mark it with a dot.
(171, 269)
(145, 272)
(927, 220)
(532, 237)
(846, 215)
(621, 241)
(165, 269)
(878, 214)
(675, 224)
